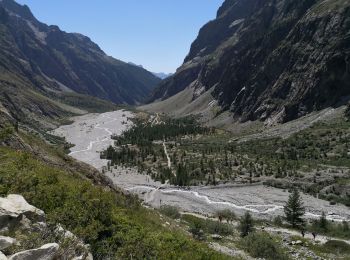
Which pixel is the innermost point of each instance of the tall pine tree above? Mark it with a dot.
(246, 225)
(294, 209)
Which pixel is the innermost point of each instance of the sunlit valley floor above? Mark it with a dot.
(220, 171)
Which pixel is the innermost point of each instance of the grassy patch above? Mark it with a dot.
(335, 248)
(208, 226)
(263, 245)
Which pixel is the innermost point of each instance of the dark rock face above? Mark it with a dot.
(273, 60)
(51, 58)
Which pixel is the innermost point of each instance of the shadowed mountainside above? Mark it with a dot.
(273, 60)
(46, 72)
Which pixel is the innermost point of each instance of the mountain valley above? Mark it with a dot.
(242, 153)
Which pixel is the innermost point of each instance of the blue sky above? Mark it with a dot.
(154, 33)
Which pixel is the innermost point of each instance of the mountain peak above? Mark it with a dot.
(17, 9)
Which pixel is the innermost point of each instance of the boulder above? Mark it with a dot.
(2, 256)
(6, 242)
(14, 208)
(46, 252)
(298, 242)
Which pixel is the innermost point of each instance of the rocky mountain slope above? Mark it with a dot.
(42, 67)
(271, 60)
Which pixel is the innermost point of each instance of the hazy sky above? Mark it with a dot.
(154, 33)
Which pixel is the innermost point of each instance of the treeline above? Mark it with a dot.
(144, 134)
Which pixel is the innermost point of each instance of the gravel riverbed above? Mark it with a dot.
(91, 134)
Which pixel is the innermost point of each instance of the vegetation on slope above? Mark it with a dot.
(112, 223)
(87, 103)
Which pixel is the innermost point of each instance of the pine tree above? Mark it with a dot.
(246, 225)
(323, 223)
(294, 209)
(345, 226)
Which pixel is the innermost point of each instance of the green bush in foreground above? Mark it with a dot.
(208, 226)
(246, 225)
(113, 224)
(226, 214)
(170, 211)
(338, 247)
(261, 245)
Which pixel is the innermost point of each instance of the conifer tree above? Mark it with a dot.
(323, 223)
(294, 209)
(246, 224)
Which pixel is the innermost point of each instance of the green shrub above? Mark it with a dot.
(226, 214)
(170, 211)
(339, 230)
(336, 246)
(262, 245)
(6, 132)
(246, 225)
(209, 226)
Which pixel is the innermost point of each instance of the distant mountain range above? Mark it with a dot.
(268, 60)
(40, 65)
(162, 75)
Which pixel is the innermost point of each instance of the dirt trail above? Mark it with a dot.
(319, 238)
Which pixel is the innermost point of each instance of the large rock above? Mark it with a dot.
(83, 257)
(14, 207)
(46, 252)
(6, 242)
(2, 256)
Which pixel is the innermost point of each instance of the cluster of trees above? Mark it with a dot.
(143, 134)
(294, 212)
(206, 161)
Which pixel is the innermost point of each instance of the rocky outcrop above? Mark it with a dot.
(6, 242)
(14, 206)
(46, 252)
(2, 256)
(18, 217)
(14, 209)
(270, 60)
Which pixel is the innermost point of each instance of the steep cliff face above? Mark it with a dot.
(270, 60)
(49, 58)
